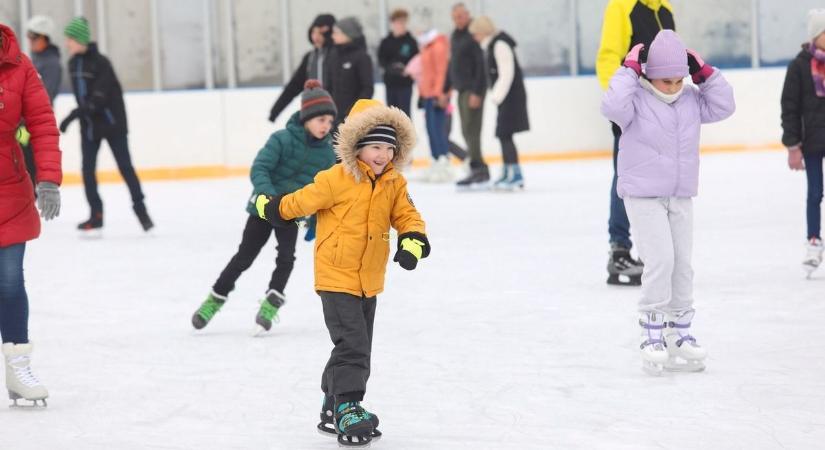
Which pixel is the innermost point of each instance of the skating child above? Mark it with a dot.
(356, 203)
(803, 116)
(288, 161)
(658, 170)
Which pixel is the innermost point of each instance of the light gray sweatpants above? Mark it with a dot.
(663, 233)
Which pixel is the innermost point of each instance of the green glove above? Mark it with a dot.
(260, 205)
(23, 136)
(411, 248)
(267, 208)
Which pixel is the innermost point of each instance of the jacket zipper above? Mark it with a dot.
(678, 152)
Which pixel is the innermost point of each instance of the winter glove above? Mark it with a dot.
(795, 161)
(411, 247)
(699, 71)
(267, 207)
(633, 59)
(23, 136)
(48, 200)
(69, 119)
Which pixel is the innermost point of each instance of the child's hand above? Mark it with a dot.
(267, 208)
(411, 248)
(699, 71)
(633, 57)
(795, 161)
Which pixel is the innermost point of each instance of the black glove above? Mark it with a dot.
(267, 207)
(69, 119)
(411, 247)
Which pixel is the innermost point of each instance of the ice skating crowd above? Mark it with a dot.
(337, 168)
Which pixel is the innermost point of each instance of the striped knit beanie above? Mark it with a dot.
(381, 134)
(78, 29)
(315, 101)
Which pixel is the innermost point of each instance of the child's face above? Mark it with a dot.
(377, 156)
(319, 126)
(668, 86)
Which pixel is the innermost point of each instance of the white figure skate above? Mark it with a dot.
(20, 381)
(813, 257)
(685, 355)
(652, 349)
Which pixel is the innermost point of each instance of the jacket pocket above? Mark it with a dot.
(338, 252)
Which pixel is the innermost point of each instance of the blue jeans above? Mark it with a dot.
(14, 303)
(813, 170)
(436, 119)
(618, 225)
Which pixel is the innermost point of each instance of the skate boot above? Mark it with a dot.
(514, 180)
(268, 312)
(353, 425)
(93, 227)
(502, 180)
(143, 217)
(479, 178)
(623, 270)
(20, 381)
(685, 354)
(814, 256)
(208, 309)
(652, 349)
(327, 423)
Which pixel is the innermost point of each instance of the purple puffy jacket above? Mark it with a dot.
(659, 147)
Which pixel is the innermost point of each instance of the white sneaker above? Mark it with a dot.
(20, 381)
(652, 348)
(685, 354)
(813, 257)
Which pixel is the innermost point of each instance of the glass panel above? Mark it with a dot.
(181, 49)
(300, 18)
(129, 42)
(10, 15)
(258, 42)
(782, 28)
(589, 15)
(719, 31)
(542, 30)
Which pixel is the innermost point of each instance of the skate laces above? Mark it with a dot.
(654, 334)
(269, 311)
(351, 413)
(23, 371)
(209, 308)
(686, 337)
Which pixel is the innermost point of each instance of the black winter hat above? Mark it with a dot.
(322, 20)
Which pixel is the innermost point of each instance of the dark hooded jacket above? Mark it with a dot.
(803, 112)
(350, 75)
(48, 66)
(99, 96)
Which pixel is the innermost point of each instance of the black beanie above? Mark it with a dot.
(322, 20)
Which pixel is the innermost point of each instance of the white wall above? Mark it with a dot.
(228, 127)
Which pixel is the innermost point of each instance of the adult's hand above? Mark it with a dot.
(795, 160)
(474, 102)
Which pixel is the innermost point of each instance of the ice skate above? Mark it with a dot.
(622, 269)
(652, 349)
(440, 171)
(20, 381)
(685, 355)
(92, 228)
(143, 217)
(268, 313)
(477, 180)
(813, 258)
(207, 310)
(354, 425)
(511, 179)
(327, 424)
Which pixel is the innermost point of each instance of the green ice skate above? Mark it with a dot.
(268, 312)
(208, 309)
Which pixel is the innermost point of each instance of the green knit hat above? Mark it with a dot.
(78, 29)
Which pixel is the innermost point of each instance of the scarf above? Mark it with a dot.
(818, 69)
(667, 98)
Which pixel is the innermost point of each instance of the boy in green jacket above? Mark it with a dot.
(289, 161)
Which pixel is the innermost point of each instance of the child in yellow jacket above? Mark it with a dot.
(356, 202)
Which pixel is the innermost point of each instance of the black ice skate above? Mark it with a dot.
(143, 217)
(92, 228)
(327, 424)
(623, 270)
(478, 179)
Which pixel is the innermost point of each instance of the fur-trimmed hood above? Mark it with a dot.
(358, 125)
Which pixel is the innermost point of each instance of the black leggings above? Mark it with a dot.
(255, 235)
(508, 149)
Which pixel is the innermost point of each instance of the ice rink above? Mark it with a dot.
(505, 337)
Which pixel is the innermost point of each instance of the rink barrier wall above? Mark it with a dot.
(205, 134)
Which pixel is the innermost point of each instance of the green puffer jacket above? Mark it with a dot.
(289, 161)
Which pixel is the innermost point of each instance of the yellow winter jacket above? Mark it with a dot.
(627, 23)
(356, 209)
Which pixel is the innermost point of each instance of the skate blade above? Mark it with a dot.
(260, 331)
(652, 368)
(684, 366)
(624, 280)
(478, 187)
(345, 441)
(91, 235)
(38, 403)
(809, 269)
(326, 429)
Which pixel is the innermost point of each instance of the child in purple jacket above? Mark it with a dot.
(658, 169)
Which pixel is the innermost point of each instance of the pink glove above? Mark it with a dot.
(632, 59)
(699, 71)
(795, 161)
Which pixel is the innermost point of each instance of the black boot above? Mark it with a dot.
(94, 223)
(143, 216)
(478, 176)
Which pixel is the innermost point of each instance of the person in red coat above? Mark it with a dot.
(22, 98)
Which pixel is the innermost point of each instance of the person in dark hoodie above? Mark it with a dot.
(312, 65)
(350, 68)
(395, 51)
(102, 115)
(46, 59)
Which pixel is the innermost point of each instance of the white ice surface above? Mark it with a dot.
(506, 337)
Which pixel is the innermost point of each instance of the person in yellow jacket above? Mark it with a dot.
(626, 23)
(357, 201)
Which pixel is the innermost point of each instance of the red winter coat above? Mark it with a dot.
(23, 97)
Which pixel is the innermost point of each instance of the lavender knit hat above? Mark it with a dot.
(666, 57)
